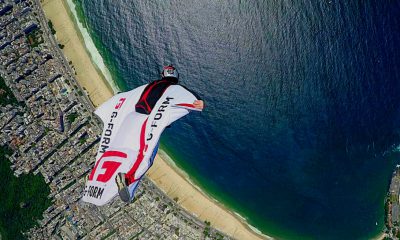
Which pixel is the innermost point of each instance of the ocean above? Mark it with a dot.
(301, 124)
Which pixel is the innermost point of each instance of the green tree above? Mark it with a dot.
(23, 200)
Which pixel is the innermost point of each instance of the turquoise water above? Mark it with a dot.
(302, 103)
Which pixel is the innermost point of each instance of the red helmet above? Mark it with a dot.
(170, 71)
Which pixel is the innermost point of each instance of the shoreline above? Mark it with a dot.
(380, 236)
(164, 173)
(88, 75)
(90, 47)
(176, 184)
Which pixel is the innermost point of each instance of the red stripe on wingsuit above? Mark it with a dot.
(185, 105)
(114, 154)
(130, 175)
(106, 154)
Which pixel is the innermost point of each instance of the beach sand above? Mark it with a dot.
(88, 76)
(166, 176)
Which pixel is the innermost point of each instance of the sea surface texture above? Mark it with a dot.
(301, 124)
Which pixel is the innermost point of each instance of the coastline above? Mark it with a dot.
(90, 47)
(381, 236)
(88, 75)
(164, 173)
(174, 182)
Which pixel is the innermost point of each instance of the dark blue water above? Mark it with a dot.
(302, 102)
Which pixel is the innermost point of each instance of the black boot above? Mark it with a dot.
(123, 190)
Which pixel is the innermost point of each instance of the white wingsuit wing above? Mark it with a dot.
(129, 138)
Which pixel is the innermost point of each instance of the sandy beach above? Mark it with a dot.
(87, 74)
(163, 173)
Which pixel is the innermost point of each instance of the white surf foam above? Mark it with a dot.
(94, 54)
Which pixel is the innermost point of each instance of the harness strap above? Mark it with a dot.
(150, 96)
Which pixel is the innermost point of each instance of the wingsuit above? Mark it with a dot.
(133, 123)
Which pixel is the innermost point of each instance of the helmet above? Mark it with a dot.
(170, 72)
